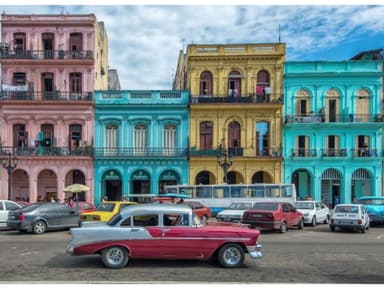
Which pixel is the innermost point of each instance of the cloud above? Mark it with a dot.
(145, 40)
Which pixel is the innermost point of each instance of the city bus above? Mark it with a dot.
(219, 197)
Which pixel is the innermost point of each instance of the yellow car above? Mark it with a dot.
(105, 211)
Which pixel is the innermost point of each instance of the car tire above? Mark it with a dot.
(39, 227)
(332, 228)
(231, 256)
(283, 228)
(300, 225)
(314, 221)
(115, 257)
(363, 229)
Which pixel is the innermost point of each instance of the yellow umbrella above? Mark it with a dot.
(76, 188)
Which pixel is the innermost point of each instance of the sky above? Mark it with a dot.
(145, 40)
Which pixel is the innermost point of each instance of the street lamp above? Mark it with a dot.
(224, 160)
(9, 164)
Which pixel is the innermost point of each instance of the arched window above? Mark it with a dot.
(302, 102)
(206, 83)
(263, 86)
(234, 83)
(332, 106)
(362, 103)
(234, 135)
(206, 135)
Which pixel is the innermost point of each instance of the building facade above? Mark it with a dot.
(51, 65)
(141, 140)
(236, 109)
(333, 129)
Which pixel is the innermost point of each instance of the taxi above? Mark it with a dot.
(105, 211)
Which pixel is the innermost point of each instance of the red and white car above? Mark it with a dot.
(273, 215)
(163, 231)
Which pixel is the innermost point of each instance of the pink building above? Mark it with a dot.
(50, 67)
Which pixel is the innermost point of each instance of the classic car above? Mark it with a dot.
(234, 213)
(40, 217)
(374, 205)
(163, 231)
(274, 216)
(199, 209)
(314, 212)
(84, 207)
(349, 216)
(5, 207)
(105, 211)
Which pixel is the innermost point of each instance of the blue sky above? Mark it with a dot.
(144, 41)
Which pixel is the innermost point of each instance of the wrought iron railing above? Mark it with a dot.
(349, 118)
(133, 152)
(337, 153)
(45, 54)
(249, 98)
(47, 151)
(46, 95)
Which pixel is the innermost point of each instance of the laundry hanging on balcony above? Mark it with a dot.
(7, 87)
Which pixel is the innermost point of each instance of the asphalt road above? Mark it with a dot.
(312, 255)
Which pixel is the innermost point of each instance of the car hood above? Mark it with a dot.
(374, 208)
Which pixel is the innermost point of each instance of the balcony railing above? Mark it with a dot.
(47, 151)
(249, 98)
(336, 153)
(45, 54)
(343, 118)
(235, 152)
(133, 152)
(46, 95)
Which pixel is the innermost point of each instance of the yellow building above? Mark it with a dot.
(236, 109)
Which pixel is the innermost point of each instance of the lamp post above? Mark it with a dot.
(224, 160)
(9, 164)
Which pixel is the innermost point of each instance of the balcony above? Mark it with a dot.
(326, 153)
(249, 98)
(47, 151)
(235, 152)
(340, 118)
(45, 54)
(269, 152)
(46, 96)
(133, 152)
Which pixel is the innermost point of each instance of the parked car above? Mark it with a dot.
(199, 209)
(163, 231)
(314, 212)
(40, 217)
(84, 207)
(234, 213)
(274, 216)
(374, 205)
(349, 216)
(5, 207)
(105, 211)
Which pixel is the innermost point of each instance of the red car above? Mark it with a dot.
(274, 216)
(200, 210)
(84, 207)
(163, 231)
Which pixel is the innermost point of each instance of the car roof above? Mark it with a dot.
(348, 205)
(371, 198)
(155, 208)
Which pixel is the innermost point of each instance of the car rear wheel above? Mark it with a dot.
(314, 221)
(231, 256)
(39, 227)
(283, 228)
(115, 257)
(300, 225)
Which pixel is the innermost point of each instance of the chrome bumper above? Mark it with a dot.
(255, 251)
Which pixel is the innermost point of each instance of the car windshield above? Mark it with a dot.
(304, 205)
(30, 208)
(240, 206)
(372, 201)
(265, 206)
(105, 207)
(347, 209)
(114, 220)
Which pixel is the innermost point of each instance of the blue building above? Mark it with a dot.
(333, 129)
(141, 141)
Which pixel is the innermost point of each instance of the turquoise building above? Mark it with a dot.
(141, 141)
(333, 129)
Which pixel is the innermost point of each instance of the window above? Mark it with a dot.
(206, 84)
(111, 134)
(234, 83)
(175, 219)
(140, 139)
(206, 135)
(169, 139)
(262, 138)
(48, 136)
(75, 85)
(19, 43)
(74, 135)
(126, 222)
(10, 206)
(234, 135)
(145, 220)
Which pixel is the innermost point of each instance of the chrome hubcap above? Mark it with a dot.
(232, 256)
(115, 256)
(39, 227)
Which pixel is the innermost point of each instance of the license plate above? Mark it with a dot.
(227, 220)
(257, 215)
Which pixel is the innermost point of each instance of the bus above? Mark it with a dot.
(219, 197)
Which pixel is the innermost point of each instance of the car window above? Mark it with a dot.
(122, 206)
(240, 206)
(303, 205)
(347, 209)
(318, 206)
(145, 220)
(105, 207)
(285, 208)
(114, 220)
(175, 219)
(265, 206)
(1, 205)
(30, 208)
(10, 206)
(126, 222)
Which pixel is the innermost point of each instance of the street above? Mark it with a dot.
(312, 255)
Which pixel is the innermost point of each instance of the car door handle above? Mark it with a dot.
(135, 230)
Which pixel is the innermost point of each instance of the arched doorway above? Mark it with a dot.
(234, 178)
(361, 183)
(303, 183)
(140, 182)
(76, 177)
(168, 177)
(47, 185)
(20, 186)
(331, 187)
(112, 186)
(205, 178)
(262, 177)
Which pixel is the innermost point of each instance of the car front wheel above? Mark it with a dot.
(283, 227)
(39, 227)
(231, 256)
(115, 257)
(314, 221)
